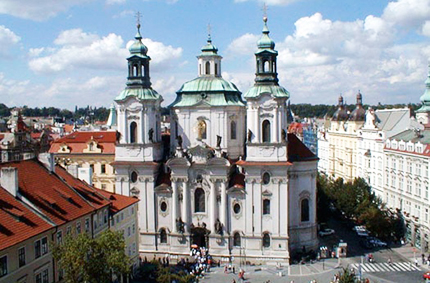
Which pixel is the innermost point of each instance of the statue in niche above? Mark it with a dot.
(150, 135)
(180, 226)
(218, 227)
(179, 138)
(249, 135)
(201, 130)
(284, 135)
(218, 141)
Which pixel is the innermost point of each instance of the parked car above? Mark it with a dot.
(426, 275)
(326, 232)
(377, 243)
(361, 231)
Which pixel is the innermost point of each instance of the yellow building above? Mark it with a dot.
(95, 150)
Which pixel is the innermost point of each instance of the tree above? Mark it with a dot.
(346, 276)
(84, 259)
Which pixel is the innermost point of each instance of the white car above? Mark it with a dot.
(326, 232)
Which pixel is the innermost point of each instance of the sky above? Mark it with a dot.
(73, 52)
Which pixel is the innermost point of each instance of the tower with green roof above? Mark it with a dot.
(266, 107)
(209, 106)
(139, 148)
(424, 111)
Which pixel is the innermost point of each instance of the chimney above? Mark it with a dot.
(9, 180)
(48, 161)
(72, 169)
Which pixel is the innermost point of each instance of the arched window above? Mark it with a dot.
(266, 68)
(216, 69)
(133, 177)
(163, 236)
(208, 68)
(266, 131)
(142, 70)
(236, 240)
(266, 240)
(266, 206)
(266, 178)
(135, 70)
(133, 132)
(305, 209)
(233, 130)
(199, 200)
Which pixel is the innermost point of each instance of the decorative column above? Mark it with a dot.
(174, 205)
(212, 206)
(223, 207)
(185, 206)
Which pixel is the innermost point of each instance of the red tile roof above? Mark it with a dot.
(77, 141)
(297, 151)
(89, 193)
(119, 202)
(18, 222)
(47, 191)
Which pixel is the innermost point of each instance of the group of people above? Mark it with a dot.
(202, 261)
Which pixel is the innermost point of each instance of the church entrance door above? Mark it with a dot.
(199, 237)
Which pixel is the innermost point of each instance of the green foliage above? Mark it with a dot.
(346, 276)
(164, 274)
(84, 259)
(4, 110)
(356, 202)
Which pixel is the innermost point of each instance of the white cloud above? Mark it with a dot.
(7, 40)
(80, 50)
(36, 10)
(245, 44)
(409, 13)
(426, 29)
(112, 2)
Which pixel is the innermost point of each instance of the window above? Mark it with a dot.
(199, 200)
(266, 131)
(134, 229)
(216, 69)
(3, 266)
(37, 251)
(233, 130)
(78, 228)
(266, 240)
(236, 208)
(163, 206)
(59, 237)
(44, 246)
(208, 68)
(92, 168)
(266, 206)
(201, 130)
(39, 278)
(105, 217)
(128, 231)
(133, 132)
(236, 239)
(87, 225)
(163, 236)
(305, 210)
(103, 169)
(69, 230)
(21, 257)
(45, 278)
(133, 177)
(266, 178)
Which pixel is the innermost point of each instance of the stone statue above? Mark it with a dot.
(179, 138)
(218, 141)
(180, 226)
(201, 130)
(218, 227)
(284, 135)
(150, 134)
(249, 135)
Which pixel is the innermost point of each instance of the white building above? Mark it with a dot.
(234, 180)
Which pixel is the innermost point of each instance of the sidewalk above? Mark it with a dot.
(410, 254)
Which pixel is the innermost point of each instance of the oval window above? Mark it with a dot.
(163, 206)
(236, 208)
(266, 178)
(133, 177)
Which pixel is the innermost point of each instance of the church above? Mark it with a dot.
(228, 176)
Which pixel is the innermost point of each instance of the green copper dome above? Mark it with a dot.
(138, 48)
(265, 41)
(276, 91)
(209, 48)
(139, 93)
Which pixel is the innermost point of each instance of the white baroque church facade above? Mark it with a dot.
(230, 178)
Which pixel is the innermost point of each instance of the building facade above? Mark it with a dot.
(233, 180)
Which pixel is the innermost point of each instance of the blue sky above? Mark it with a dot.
(73, 52)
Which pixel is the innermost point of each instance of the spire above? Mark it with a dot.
(138, 48)
(425, 98)
(265, 41)
(209, 61)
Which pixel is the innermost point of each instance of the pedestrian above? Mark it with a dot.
(225, 269)
(389, 260)
(234, 270)
(416, 262)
